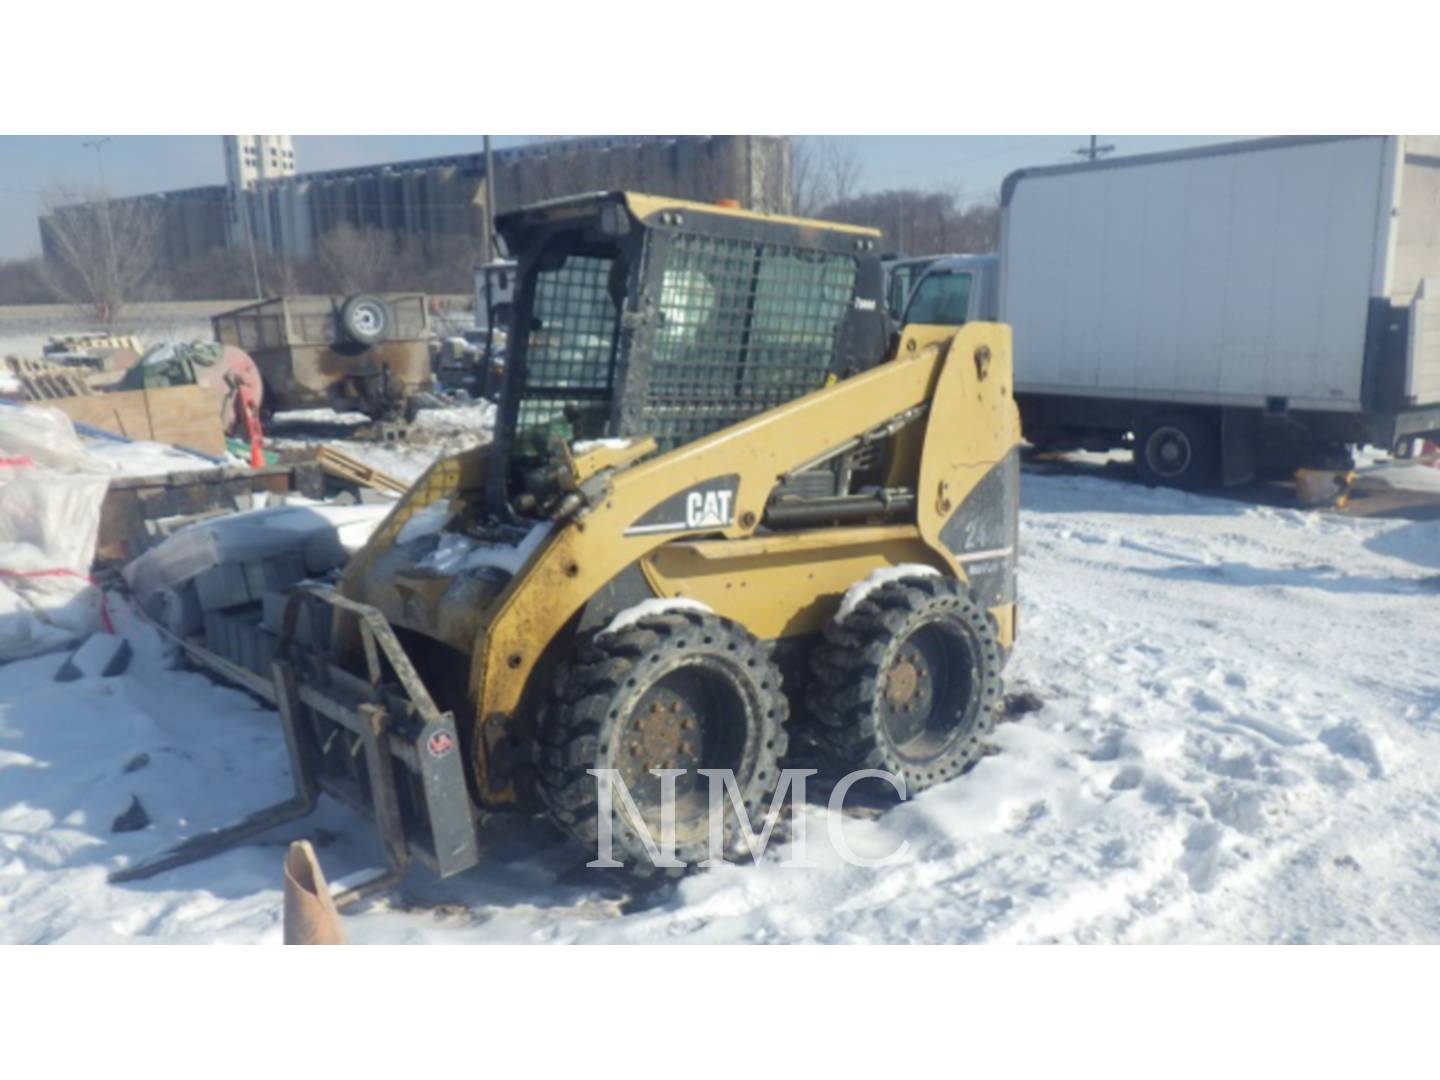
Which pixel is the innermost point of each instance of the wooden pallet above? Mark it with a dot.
(44, 381)
(343, 466)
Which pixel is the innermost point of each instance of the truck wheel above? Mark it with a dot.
(1177, 451)
(908, 682)
(683, 690)
(364, 319)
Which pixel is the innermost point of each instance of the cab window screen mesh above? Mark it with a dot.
(570, 354)
(742, 327)
(574, 343)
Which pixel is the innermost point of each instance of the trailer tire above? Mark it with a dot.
(365, 319)
(908, 682)
(685, 690)
(1177, 450)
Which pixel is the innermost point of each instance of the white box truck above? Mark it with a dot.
(1248, 305)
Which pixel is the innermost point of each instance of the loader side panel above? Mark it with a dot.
(983, 532)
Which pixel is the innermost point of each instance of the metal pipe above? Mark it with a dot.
(490, 254)
(800, 512)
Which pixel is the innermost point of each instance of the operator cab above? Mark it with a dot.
(637, 315)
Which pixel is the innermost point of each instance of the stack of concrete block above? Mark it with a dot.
(237, 635)
(232, 598)
(237, 559)
(232, 584)
(312, 619)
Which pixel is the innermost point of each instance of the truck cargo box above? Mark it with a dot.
(1261, 274)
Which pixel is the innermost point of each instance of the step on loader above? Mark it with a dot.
(726, 510)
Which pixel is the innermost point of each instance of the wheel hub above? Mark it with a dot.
(1168, 451)
(664, 734)
(909, 692)
(925, 688)
(903, 682)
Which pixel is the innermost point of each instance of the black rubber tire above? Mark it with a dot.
(591, 723)
(1192, 437)
(851, 671)
(365, 319)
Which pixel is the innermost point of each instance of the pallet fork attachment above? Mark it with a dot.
(413, 782)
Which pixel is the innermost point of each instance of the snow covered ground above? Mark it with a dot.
(1240, 741)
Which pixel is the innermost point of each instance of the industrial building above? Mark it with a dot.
(286, 212)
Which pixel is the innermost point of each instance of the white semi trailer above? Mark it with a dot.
(1224, 309)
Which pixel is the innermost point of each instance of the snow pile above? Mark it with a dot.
(456, 553)
(476, 419)
(145, 458)
(647, 609)
(872, 581)
(427, 521)
(585, 446)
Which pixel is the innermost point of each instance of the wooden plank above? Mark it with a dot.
(178, 415)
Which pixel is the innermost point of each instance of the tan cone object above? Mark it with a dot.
(311, 917)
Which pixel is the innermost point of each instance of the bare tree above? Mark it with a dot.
(823, 172)
(23, 281)
(806, 193)
(101, 252)
(917, 222)
(356, 260)
(840, 165)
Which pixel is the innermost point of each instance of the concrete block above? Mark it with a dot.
(272, 610)
(231, 584)
(265, 647)
(101, 656)
(279, 572)
(222, 587)
(214, 632)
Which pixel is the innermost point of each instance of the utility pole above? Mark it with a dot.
(1094, 151)
(98, 145)
(490, 252)
(112, 270)
(245, 207)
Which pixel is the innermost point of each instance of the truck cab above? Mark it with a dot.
(954, 290)
(901, 273)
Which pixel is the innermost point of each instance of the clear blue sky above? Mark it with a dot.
(29, 164)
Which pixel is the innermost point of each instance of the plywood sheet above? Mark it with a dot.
(186, 416)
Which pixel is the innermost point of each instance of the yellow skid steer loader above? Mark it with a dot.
(724, 505)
